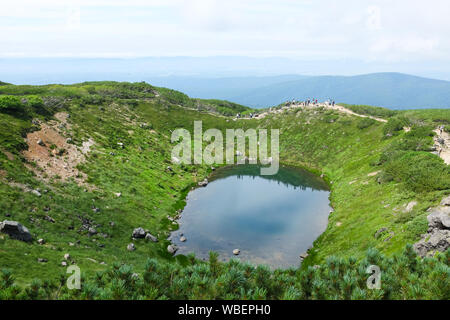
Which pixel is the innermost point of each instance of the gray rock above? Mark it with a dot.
(437, 240)
(138, 233)
(49, 219)
(203, 183)
(15, 230)
(41, 241)
(150, 237)
(92, 231)
(236, 252)
(131, 247)
(438, 236)
(410, 206)
(303, 255)
(182, 238)
(380, 232)
(171, 248)
(439, 217)
(445, 201)
(36, 193)
(42, 260)
(40, 142)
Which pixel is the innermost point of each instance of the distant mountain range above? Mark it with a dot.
(255, 82)
(391, 90)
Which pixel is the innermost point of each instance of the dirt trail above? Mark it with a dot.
(442, 143)
(343, 109)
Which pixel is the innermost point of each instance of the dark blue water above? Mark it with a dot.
(271, 219)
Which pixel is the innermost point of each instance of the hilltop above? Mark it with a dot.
(82, 166)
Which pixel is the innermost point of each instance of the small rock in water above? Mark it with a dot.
(303, 256)
(236, 252)
(203, 183)
(182, 239)
(131, 247)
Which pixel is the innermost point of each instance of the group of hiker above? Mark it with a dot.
(309, 101)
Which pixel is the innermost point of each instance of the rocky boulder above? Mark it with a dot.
(138, 233)
(438, 236)
(15, 230)
(439, 218)
(445, 201)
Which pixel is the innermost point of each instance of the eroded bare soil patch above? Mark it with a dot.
(51, 150)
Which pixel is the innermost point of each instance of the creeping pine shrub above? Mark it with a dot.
(10, 103)
(365, 123)
(394, 125)
(420, 171)
(404, 276)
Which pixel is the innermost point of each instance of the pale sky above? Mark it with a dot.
(377, 30)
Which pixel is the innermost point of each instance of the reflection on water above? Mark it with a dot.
(271, 219)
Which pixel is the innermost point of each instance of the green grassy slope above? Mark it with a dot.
(344, 148)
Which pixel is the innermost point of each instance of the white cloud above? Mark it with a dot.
(327, 29)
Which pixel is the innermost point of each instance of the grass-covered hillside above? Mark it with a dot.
(82, 165)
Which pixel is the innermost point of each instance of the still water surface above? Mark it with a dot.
(271, 219)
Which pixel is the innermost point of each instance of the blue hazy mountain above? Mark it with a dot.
(392, 90)
(254, 82)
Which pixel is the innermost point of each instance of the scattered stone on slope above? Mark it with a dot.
(150, 237)
(410, 206)
(15, 230)
(36, 193)
(92, 231)
(131, 247)
(138, 233)
(171, 248)
(203, 183)
(379, 232)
